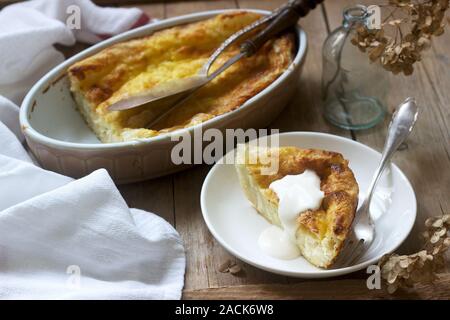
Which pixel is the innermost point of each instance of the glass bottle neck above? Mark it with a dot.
(355, 15)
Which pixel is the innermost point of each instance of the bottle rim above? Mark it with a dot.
(356, 13)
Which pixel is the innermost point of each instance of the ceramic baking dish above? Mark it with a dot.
(62, 142)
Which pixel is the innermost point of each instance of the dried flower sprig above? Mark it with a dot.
(423, 266)
(398, 50)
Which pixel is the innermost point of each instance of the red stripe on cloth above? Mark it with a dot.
(143, 19)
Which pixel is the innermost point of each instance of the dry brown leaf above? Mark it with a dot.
(406, 270)
(424, 19)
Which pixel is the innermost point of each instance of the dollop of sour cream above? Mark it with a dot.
(275, 242)
(296, 194)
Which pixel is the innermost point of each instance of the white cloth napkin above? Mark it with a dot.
(62, 238)
(28, 31)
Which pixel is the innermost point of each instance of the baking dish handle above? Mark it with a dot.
(286, 18)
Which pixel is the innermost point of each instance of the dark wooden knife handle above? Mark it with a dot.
(287, 17)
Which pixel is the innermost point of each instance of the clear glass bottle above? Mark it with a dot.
(353, 88)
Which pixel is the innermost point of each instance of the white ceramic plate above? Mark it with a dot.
(236, 224)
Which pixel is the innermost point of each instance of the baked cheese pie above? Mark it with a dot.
(134, 66)
(318, 233)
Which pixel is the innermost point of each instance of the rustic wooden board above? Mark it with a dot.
(426, 162)
(6, 2)
(426, 159)
(153, 195)
(107, 2)
(321, 289)
(204, 254)
(154, 10)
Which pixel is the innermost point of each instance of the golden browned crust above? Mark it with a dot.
(335, 216)
(133, 66)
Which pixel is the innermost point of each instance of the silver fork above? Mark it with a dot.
(363, 231)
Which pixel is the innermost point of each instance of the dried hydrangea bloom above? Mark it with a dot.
(423, 266)
(405, 33)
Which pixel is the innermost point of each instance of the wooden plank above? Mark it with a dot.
(99, 2)
(204, 254)
(426, 159)
(153, 10)
(132, 2)
(322, 289)
(176, 198)
(153, 195)
(106, 2)
(109, 2)
(4, 3)
(69, 51)
(186, 7)
(304, 111)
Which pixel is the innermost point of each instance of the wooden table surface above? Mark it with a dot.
(425, 160)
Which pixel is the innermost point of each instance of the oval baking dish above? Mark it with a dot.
(62, 142)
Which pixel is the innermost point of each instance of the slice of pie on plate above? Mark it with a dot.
(320, 233)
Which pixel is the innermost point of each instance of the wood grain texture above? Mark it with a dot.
(153, 10)
(177, 9)
(354, 289)
(153, 195)
(426, 160)
(304, 112)
(6, 2)
(204, 254)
